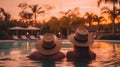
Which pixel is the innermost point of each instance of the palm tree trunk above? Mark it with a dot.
(113, 19)
(67, 32)
(89, 24)
(113, 25)
(35, 18)
(98, 26)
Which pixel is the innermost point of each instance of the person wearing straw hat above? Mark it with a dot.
(81, 40)
(47, 49)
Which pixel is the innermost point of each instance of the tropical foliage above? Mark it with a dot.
(114, 12)
(63, 26)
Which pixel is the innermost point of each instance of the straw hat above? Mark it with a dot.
(48, 45)
(81, 37)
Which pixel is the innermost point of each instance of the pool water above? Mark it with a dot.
(13, 54)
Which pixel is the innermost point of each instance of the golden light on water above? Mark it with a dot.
(105, 52)
(27, 45)
(103, 46)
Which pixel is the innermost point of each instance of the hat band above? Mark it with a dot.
(82, 41)
(49, 47)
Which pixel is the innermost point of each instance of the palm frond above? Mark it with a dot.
(111, 1)
(41, 11)
(99, 2)
(23, 5)
(33, 7)
(106, 8)
(39, 8)
(102, 18)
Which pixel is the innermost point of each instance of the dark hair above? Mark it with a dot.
(83, 51)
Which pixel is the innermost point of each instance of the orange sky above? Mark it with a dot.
(60, 5)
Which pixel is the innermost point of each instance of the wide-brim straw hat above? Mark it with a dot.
(81, 38)
(48, 45)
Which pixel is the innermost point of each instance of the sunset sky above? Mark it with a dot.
(60, 5)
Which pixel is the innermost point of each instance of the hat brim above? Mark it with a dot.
(89, 42)
(50, 51)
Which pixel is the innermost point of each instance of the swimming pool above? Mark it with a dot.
(13, 54)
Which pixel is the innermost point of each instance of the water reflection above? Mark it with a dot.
(48, 64)
(116, 51)
(28, 45)
(103, 48)
(108, 55)
(77, 64)
(15, 54)
(10, 47)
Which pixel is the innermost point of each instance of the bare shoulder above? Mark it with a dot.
(70, 53)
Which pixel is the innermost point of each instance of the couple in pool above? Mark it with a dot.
(48, 47)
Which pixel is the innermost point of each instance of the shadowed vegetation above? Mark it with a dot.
(61, 26)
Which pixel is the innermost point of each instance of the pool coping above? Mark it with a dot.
(108, 40)
(8, 40)
(64, 40)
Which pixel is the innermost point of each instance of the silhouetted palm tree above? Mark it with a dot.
(67, 19)
(65, 24)
(30, 12)
(6, 15)
(23, 6)
(114, 2)
(36, 10)
(54, 25)
(89, 18)
(25, 16)
(98, 19)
